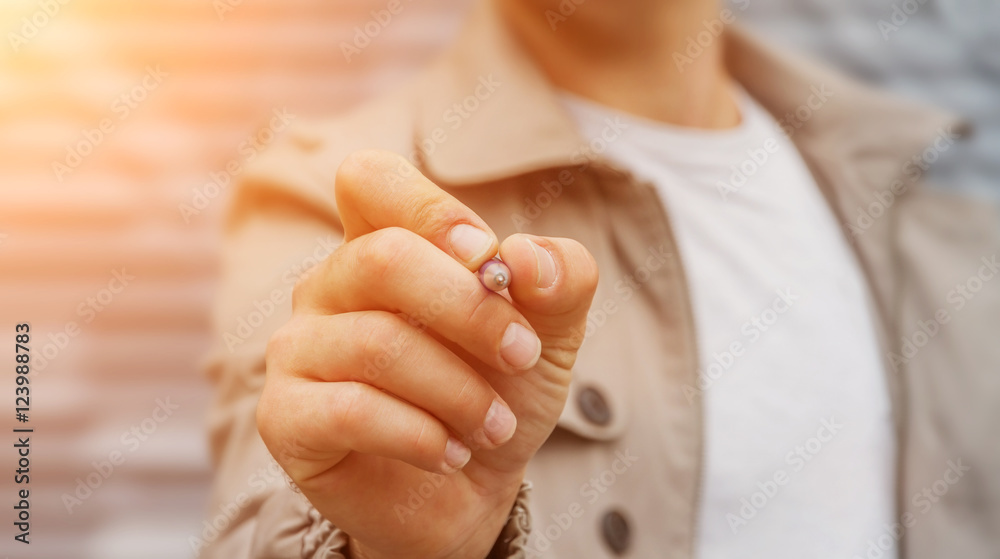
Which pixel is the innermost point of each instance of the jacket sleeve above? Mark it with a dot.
(287, 526)
(281, 221)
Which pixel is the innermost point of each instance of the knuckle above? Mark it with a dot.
(436, 214)
(348, 176)
(359, 168)
(468, 392)
(472, 401)
(299, 293)
(480, 312)
(349, 406)
(265, 413)
(380, 253)
(423, 437)
(356, 168)
(287, 451)
(378, 335)
(301, 287)
(310, 282)
(282, 347)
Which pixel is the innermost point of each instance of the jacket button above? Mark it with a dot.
(593, 406)
(616, 532)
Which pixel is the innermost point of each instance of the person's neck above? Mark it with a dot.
(621, 54)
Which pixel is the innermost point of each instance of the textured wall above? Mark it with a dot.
(66, 230)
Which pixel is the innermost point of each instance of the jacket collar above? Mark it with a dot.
(485, 111)
(516, 128)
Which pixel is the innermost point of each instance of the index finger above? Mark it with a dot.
(379, 189)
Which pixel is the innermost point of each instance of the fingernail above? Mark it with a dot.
(520, 348)
(456, 455)
(469, 243)
(546, 266)
(500, 423)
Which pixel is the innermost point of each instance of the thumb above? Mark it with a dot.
(553, 281)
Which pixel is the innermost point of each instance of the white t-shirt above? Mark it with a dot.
(799, 442)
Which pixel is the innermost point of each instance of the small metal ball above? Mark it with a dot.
(495, 275)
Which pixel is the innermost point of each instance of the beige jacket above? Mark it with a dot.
(621, 473)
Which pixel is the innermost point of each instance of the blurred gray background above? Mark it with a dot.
(946, 52)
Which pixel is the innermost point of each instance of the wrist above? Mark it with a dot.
(486, 535)
(481, 542)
